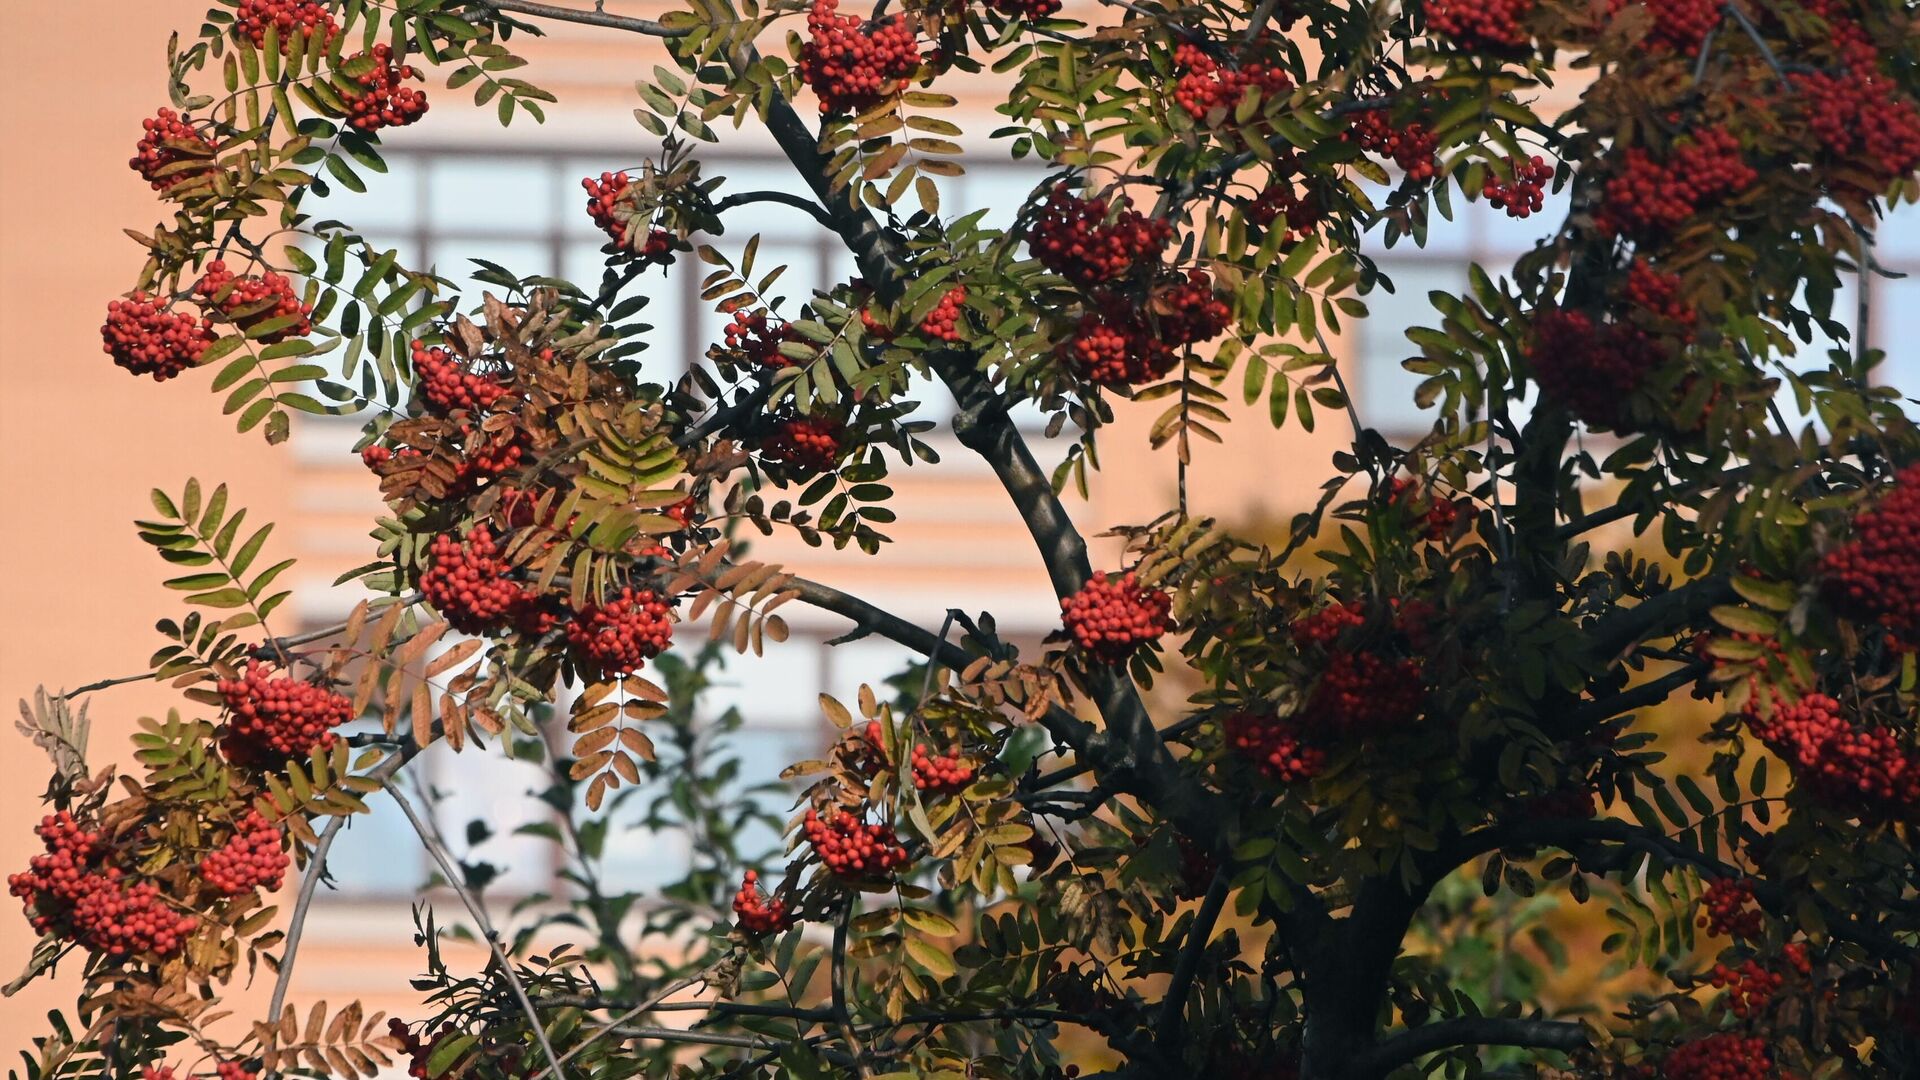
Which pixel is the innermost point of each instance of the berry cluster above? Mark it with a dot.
(1875, 576)
(1322, 628)
(1573, 802)
(1275, 745)
(1484, 25)
(467, 582)
(1646, 198)
(1281, 201)
(380, 97)
(1190, 311)
(1111, 346)
(1588, 368)
(1362, 693)
(1727, 908)
(67, 892)
(943, 322)
(1110, 618)
(235, 1070)
(620, 636)
(251, 859)
(1204, 86)
(1525, 194)
(447, 386)
(1197, 868)
(1837, 761)
(939, 774)
(1410, 147)
(852, 848)
(757, 340)
(1655, 297)
(804, 444)
(1723, 1056)
(147, 339)
(603, 196)
(271, 718)
(1751, 985)
(249, 302)
(167, 144)
(853, 67)
(1080, 239)
(291, 17)
(1678, 25)
(756, 913)
(1861, 119)
(1437, 513)
(419, 1051)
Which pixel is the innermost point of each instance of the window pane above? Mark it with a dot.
(1896, 328)
(1385, 389)
(1510, 236)
(781, 686)
(491, 194)
(391, 201)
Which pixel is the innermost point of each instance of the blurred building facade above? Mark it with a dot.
(83, 442)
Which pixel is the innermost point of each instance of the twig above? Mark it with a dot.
(595, 17)
(785, 198)
(613, 1024)
(1168, 1027)
(1467, 1031)
(430, 837)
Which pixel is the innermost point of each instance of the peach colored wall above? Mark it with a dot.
(81, 442)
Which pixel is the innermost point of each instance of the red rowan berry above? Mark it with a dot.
(1205, 86)
(447, 385)
(1110, 346)
(248, 302)
(1646, 198)
(467, 582)
(235, 1070)
(1197, 868)
(943, 322)
(1411, 147)
(941, 774)
(1025, 9)
(1436, 513)
(1073, 237)
(1481, 25)
(1678, 25)
(307, 18)
(1524, 194)
(852, 848)
(252, 859)
(121, 920)
(168, 143)
(757, 340)
(756, 913)
(1862, 119)
(1590, 369)
(1109, 619)
(380, 97)
(1722, 1056)
(147, 339)
(1748, 987)
(271, 718)
(1361, 693)
(1838, 761)
(1279, 201)
(1190, 311)
(1570, 802)
(1321, 628)
(1657, 298)
(1275, 745)
(852, 67)
(618, 637)
(806, 445)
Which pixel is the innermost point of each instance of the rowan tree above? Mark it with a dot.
(1425, 698)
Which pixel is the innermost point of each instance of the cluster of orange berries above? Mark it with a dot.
(1678, 25)
(805, 444)
(1751, 985)
(939, 774)
(852, 848)
(1722, 1056)
(467, 582)
(1490, 25)
(853, 67)
(757, 339)
(68, 892)
(1859, 115)
(1411, 147)
(1839, 762)
(1360, 692)
(1282, 201)
(1276, 745)
(1437, 519)
(1727, 908)
(271, 718)
(446, 384)
(757, 913)
(1590, 368)
(1525, 193)
(1117, 343)
(943, 322)
(380, 97)
(1082, 241)
(1109, 618)
(1875, 576)
(1204, 85)
(147, 339)
(618, 637)
(249, 301)
(1646, 197)
(167, 140)
(1656, 296)
(292, 18)
(603, 194)
(252, 859)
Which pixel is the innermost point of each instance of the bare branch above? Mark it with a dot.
(1410, 1045)
(785, 198)
(595, 17)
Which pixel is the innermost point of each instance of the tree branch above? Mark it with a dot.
(785, 198)
(585, 18)
(1410, 1045)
